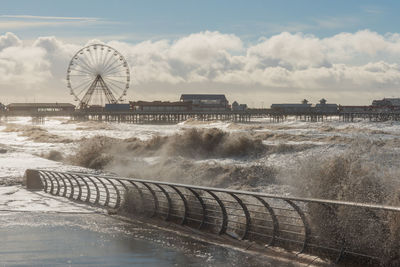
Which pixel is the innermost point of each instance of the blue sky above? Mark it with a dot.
(250, 20)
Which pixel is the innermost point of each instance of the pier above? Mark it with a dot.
(173, 117)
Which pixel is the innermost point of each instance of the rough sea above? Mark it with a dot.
(347, 161)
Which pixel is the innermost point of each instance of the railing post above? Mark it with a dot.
(71, 194)
(118, 202)
(79, 187)
(203, 206)
(87, 186)
(307, 229)
(42, 175)
(107, 191)
(154, 198)
(185, 204)
(51, 183)
(275, 222)
(64, 183)
(140, 193)
(58, 183)
(246, 213)
(96, 201)
(168, 199)
(224, 224)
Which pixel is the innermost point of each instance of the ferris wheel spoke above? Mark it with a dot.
(84, 89)
(83, 80)
(91, 56)
(85, 83)
(101, 55)
(80, 75)
(89, 67)
(113, 68)
(90, 73)
(113, 64)
(106, 57)
(83, 76)
(111, 74)
(106, 78)
(105, 65)
(108, 67)
(86, 69)
(116, 85)
(95, 55)
(81, 92)
(89, 61)
(83, 64)
(116, 93)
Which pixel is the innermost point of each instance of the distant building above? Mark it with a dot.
(160, 106)
(326, 108)
(238, 107)
(354, 108)
(304, 101)
(28, 108)
(117, 107)
(292, 108)
(206, 102)
(387, 102)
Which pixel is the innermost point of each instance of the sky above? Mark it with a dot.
(256, 52)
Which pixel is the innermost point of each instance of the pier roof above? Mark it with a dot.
(41, 105)
(202, 97)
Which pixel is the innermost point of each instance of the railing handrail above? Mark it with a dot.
(248, 193)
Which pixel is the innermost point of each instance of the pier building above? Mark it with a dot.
(48, 108)
(206, 102)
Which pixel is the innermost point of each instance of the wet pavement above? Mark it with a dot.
(79, 239)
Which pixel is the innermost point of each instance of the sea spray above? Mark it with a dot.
(192, 143)
(177, 158)
(367, 173)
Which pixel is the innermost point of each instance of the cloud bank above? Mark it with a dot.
(347, 68)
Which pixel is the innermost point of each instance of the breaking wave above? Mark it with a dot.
(192, 143)
(94, 126)
(176, 158)
(53, 155)
(367, 173)
(271, 136)
(205, 174)
(36, 134)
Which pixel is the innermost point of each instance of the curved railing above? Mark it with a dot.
(334, 229)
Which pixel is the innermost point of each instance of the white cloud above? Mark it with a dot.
(9, 39)
(359, 66)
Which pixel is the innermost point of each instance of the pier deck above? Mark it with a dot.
(143, 117)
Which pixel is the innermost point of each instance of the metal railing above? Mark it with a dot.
(336, 230)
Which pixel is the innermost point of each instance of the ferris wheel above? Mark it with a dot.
(98, 74)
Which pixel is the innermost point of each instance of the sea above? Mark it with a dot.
(331, 159)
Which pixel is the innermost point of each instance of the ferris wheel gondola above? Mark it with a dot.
(98, 74)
